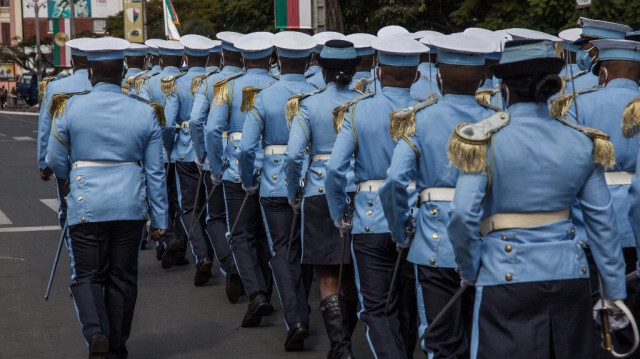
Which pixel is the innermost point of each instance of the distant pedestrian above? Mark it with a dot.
(3, 97)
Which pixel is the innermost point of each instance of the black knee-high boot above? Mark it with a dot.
(336, 321)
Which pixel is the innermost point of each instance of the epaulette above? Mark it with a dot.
(293, 105)
(484, 96)
(603, 151)
(159, 110)
(42, 87)
(130, 81)
(59, 102)
(467, 148)
(140, 79)
(221, 90)
(566, 79)
(340, 112)
(561, 105)
(275, 76)
(403, 121)
(196, 81)
(249, 94)
(362, 85)
(168, 83)
(631, 119)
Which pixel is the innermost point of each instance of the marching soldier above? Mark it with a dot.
(189, 178)
(50, 87)
(364, 136)
(132, 85)
(216, 221)
(112, 174)
(363, 80)
(510, 227)
(171, 249)
(571, 69)
(489, 91)
(248, 241)
(426, 87)
(587, 54)
(135, 58)
(618, 70)
(321, 38)
(268, 119)
(422, 132)
(312, 128)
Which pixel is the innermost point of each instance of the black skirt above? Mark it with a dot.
(321, 241)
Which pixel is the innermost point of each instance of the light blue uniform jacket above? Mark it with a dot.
(312, 128)
(586, 81)
(129, 73)
(267, 118)
(317, 79)
(531, 173)
(229, 116)
(106, 125)
(603, 110)
(77, 82)
(426, 84)
(364, 136)
(634, 211)
(426, 158)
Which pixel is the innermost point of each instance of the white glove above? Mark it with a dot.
(295, 203)
(215, 181)
(251, 190)
(199, 164)
(617, 319)
(345, 228)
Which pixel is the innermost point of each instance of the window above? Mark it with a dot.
(4, 3)
(99, 25)
(6, 33)
(50, 26)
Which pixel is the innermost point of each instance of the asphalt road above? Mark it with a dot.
(173, 319)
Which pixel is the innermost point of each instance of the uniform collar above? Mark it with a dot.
(197, 69)
(106, 87)
(622, 83)
(157, 68)
(362, 75)
(231, 69)
(395, 91)
(459, 99)
(529, 109)
(292, 77)
(170, 70)
(83, 72)
(257, 71)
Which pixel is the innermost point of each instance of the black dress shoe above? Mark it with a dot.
(160, 251)
(233, 285)
(182, 261)
(258, 308)
(203, 272)
(99, 347)
(169, 256)
(295, 339)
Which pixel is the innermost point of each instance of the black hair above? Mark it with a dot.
(534, 88)
(342, 77)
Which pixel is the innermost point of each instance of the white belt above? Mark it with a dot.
(80, 164)
(275, 150)
(521, 220)
(618, 178)
(436, 194)
(234, 136)
(320, 157)
(374, 185)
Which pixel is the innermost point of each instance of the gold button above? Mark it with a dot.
(78, 178)
(235, 178)
(581, 243)
(275, 160)
(507, 248)
(186, 131)
(82, 219)
(236, 162)
(182, 157)
(573, 231)
(320, 190)
(367, 229)
(235, 147)
(503, 116)
(584, 270)
(274, 177)
(79, 198)
(319, 158)
(369, 213)
(456, 270)
(432, 261)
(504, 238)
(319, 173)
(434, 236)
(434, 211)
(145, 196)
(508, 277)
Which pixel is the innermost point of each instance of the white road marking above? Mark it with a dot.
(2, 135)
(29, 229)
(4, 219)
(51, 203)
(19, 113)
(24, 138)
(12, 258)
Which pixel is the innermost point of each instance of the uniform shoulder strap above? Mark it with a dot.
(293, 105)
(129, 82)
(275, 76)
(59, 102)
(249, 94)
(561, 105)
(168, 83)
(140, 79)
(159, 110)
(42, 86)
(603, 151)
(221, 90)
(484, 96)
(403, 121)
(468, 144)
(631, 119)
(340, 112)
(196, 81)
(362, 85)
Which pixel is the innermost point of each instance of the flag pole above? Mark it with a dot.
(164, 15)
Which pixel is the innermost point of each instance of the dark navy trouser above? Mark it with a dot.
(287, 272)
(104, 279)
(216, 224)
(188, 177)
(393, 335)
(174, 206)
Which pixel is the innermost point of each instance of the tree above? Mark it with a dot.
(24, 55)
